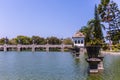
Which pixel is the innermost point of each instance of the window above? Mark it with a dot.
(78, 41)
(81, 41)
(75, 41)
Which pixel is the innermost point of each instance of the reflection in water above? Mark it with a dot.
(54, 66)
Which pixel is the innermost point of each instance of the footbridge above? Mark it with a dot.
(33, 47)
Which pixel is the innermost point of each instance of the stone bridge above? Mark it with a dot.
(33, 47)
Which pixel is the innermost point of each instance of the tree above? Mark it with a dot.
(110, 13)
(13, 41)
(54, 40)
(23, 40)
(96, 26)
(38, 40)
(2, 41)
(93, 31)
(67, 41)
(86, 30)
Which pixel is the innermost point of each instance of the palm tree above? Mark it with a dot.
(96, 26)
(93, 29)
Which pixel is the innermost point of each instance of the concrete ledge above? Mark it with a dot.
(93, 70)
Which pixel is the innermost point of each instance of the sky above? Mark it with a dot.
(45, 18)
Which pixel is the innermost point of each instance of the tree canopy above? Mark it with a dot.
(25, 40)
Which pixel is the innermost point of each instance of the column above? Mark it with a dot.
(5, 47)
(62, 48)
(47, 48)
(18, 47)
(33, 48)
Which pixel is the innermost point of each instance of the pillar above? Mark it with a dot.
(33, 48)
(62, 48)
(5, 47)
(18, 47)
(47, 49)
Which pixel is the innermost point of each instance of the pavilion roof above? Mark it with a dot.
(78, 35)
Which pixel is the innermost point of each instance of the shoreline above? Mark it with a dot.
(110, 52)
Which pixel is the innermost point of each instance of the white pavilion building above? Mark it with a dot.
(78, 39)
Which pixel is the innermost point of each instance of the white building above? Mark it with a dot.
(78, 39)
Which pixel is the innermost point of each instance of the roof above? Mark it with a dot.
(78, 34)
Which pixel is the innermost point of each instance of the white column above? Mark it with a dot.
(18, 47)
(33, 48)
(5, 47)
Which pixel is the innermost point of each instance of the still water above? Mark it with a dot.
(54, 66)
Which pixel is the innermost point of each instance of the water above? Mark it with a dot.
(53, 66)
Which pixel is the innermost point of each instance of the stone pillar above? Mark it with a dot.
(5, 47)
(47, 48)
(33, 48)
(18, 47)
(62, 48)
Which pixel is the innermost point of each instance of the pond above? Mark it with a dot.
(54, 66)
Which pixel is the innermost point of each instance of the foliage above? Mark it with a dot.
(93, 30)
(2, 40)
(38, 40)
(110, 13)
(67, 41)
(118, 46)
(12, 41)
(23, 40)
(105, 47)
(115, 37)
(53, 40)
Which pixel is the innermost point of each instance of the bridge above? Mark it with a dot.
(33, 47)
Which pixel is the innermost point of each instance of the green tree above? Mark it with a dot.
(110, 13)
(12, 41)
(96, 26)
(86, 30)
(23, 40)
(38, 40)
(93, 30)
(2, 41)
(54, 40)
(102, 7)
(67, 41)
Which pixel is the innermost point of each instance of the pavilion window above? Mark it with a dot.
(81, 41)
(75, 41)
(78, 41)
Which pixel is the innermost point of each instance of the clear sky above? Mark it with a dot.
(61, 18)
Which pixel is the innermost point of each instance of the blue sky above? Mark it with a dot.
(61, 18)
